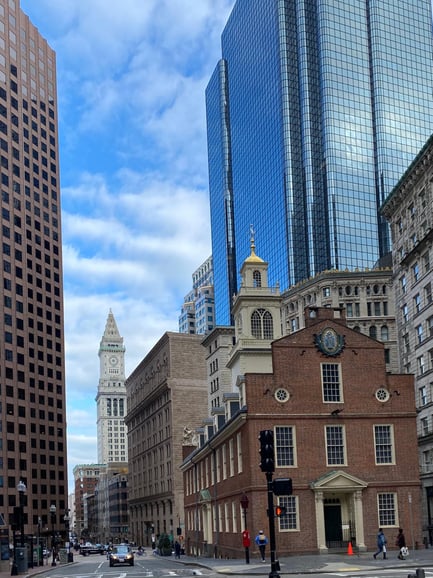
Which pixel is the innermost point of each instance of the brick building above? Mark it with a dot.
(345, 432)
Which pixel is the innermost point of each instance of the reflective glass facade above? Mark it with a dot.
(314, 112)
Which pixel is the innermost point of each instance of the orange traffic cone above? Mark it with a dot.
(350, 549)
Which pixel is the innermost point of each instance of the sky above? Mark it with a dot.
(131, 80)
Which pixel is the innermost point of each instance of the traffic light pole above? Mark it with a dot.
(275, 566)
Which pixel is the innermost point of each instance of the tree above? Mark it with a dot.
(164, 545)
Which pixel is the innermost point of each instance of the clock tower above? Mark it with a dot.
(111, 396)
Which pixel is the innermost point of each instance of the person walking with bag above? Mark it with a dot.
(401, 543)
(261, 542)
(381, 544)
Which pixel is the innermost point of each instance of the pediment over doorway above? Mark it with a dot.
(338, 480)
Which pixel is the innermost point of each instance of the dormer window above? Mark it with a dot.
(257, 279)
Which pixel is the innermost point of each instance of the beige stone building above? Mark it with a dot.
(409, 209)
(367, 297)
(166, 399)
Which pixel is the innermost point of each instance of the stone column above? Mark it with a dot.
(359, 521)
(320, 523)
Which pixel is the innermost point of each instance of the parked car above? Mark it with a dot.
(87, 549)
(121, 554)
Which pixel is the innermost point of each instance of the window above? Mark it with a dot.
(335, 452)
(430, 326)
(405, 313)
(326, 291)
(384, 333)
(424, 426)
(257, 279)
(415, 272)
(427, 293)
(331, 382)
(262, 325)
(421, 365)
(419, 333)
(290, 519)
(383, 444)
(372, 332)
(423, 395)
(284, 446)
(386, 510)
(417, 303)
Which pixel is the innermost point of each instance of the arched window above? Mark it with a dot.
(384, 333)
(257, 278)
(261, 324)
(372, 331)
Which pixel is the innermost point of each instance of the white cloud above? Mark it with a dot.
(133, 159)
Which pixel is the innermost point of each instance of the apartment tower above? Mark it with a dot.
(32, 367)
(313, 113)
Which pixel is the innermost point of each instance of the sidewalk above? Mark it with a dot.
(316, 563)
(304, 564)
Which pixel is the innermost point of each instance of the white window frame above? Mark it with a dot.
(390, 429)
(390, 520)
(341, 429)
(293, 446)
(289, 522)
(340, 383)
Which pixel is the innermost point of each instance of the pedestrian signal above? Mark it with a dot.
(282, 486)
(280, 511)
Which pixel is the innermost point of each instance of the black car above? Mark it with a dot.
(121, 554)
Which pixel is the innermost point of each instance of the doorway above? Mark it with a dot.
(333, 525)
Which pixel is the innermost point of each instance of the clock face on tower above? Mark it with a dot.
(113, 360)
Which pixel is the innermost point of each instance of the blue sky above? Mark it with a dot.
(133, 165)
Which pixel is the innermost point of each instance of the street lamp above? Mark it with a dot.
(21, 487)
(66, 520)
(245, 534)
(53, 510)
(18, 523)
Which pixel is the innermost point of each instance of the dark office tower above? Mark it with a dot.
(32, 379)
(314, 112)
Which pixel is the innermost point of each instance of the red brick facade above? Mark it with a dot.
(351, 444)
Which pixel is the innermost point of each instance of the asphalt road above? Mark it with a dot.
(97, 566)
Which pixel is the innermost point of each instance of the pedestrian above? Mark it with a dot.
(401, 543)
(261, 542)
(381, 544)
(177, 549)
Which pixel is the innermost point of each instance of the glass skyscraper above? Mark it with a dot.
(314, 112)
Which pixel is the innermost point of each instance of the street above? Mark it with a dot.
(149, 566)
(145, 566)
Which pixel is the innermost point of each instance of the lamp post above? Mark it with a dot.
(21, 487)
(18, 525)
(245, 534)
(66, 520)
(53, 510)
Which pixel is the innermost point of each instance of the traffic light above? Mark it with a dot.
(267, 458)
(280, 511)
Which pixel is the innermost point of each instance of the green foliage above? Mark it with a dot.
(164, 545)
